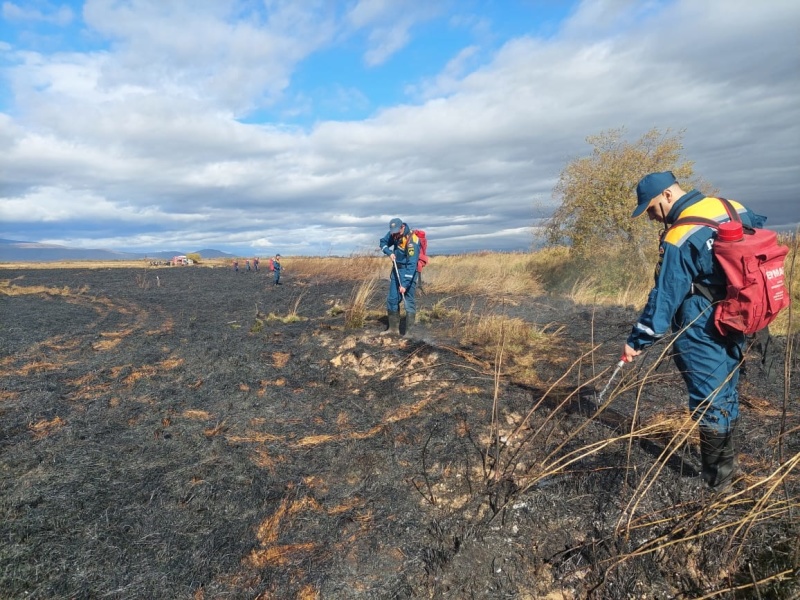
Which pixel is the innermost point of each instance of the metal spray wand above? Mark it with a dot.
(619, 366)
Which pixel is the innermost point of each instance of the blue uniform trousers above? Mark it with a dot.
(393, 300)
(709, 363)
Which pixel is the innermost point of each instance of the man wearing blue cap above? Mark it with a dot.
(402, 246)
(687, 282)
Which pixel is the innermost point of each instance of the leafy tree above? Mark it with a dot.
(194, 257)
(597, 193)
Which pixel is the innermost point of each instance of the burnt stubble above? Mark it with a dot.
(162, 437)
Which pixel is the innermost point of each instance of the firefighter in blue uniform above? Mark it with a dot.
(276, 269)
(402, 246)
(687, 281)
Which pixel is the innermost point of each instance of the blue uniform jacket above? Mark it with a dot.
(406, 254)
(685, 256)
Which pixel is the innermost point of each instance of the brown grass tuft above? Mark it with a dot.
(42, 429)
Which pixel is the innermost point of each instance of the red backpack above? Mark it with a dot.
(752, 260)
(423, 249)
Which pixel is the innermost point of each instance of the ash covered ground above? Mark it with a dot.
(171, 433)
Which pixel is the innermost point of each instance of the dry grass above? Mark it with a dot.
(491, 330)
(8, 288)
(483, 274)
(356, 267)
(77, 264)
(610, 276)
(358, 307)
(593, 290)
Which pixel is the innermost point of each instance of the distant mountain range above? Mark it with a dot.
(16, 251)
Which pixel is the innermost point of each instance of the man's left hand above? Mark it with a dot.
(402, 290)
(628, 353)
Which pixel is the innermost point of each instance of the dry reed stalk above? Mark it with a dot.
(494, 429)
(789, 351)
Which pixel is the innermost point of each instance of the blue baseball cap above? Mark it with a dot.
(395, 225)
(649, 187)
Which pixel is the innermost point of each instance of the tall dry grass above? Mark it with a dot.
(483, 274)
(356, 267)
(358, 307)
(611, 275)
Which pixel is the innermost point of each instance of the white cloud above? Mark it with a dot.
(57, 15)
(145, 133)
(389, 24)
(208, 51)
(449, 79)
(50, 204)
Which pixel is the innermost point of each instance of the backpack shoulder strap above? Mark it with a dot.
(695, 221)
(733, 215)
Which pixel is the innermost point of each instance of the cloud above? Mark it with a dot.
(56, 15)
(388, 24)
(219, 53)
(145, 132)
(449, 79)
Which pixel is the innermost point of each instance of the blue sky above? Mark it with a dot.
(304, 126)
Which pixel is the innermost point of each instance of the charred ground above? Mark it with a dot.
(206, 434)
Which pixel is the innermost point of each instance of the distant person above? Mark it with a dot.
(687, 280)
(276, 265)
(402, 246)
(255, 263)
(236, 266)
(247, 264)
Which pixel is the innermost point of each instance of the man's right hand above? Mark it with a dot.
(392, 257)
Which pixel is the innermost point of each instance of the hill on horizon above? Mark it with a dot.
(21, 251)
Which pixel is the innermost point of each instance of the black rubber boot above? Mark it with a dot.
(719, 459)
(410, 323)
(394, 324)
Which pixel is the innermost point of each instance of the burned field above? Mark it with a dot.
(198, 433)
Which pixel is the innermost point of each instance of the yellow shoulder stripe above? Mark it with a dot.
(708, 208)
(677, 235)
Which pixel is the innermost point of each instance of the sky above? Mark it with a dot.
(302, 127)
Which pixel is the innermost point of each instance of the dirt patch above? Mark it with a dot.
(162, 439)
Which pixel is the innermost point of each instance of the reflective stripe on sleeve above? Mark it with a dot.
(646, 329)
